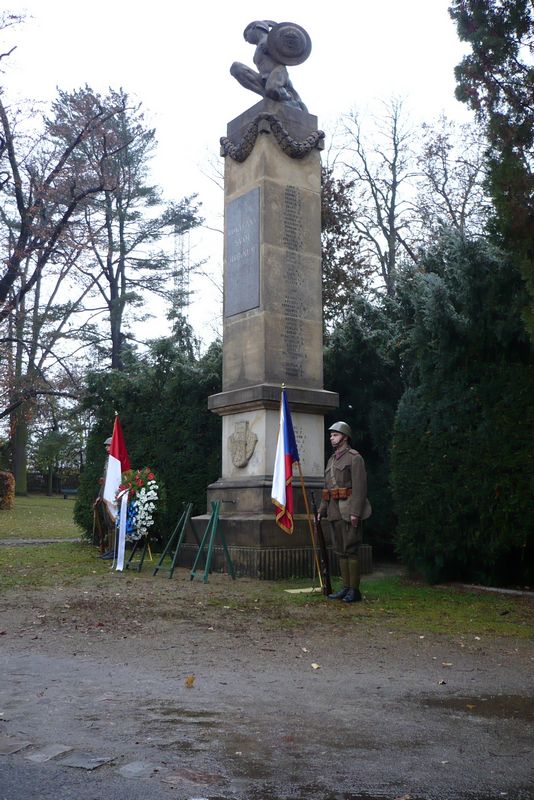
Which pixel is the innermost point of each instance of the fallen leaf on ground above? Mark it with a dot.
(316, 666)
(189, 681)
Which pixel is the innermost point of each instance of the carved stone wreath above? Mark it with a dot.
(262, 123)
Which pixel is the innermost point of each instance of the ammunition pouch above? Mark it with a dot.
(339, 493)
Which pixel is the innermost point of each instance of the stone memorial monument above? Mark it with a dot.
(272, 329)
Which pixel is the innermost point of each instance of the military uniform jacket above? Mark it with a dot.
(346, 470)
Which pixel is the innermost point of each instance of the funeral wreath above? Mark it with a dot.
(142, 486)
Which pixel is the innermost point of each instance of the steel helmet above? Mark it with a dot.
(262, 24)
(341, 427)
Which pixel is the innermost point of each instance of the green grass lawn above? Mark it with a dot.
(401, 604)
(405, 604)
(39, 517)
(38, 566)
(391, 602)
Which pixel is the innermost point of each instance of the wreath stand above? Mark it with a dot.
(209, 537)
(179, 532)
(138, 565)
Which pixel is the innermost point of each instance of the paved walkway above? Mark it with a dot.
(27, 542)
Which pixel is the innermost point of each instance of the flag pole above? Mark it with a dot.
(308, 517)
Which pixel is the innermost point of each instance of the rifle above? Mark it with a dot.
(323, 553)
(97, 526)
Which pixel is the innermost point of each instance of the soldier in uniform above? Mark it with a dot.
(103, 518)
(345, 505)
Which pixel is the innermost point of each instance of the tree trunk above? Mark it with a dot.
(19, 447)
(116, 342)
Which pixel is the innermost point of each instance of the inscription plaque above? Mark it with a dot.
(242, 243)
(292, 225)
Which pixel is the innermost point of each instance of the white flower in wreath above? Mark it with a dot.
(143, 502)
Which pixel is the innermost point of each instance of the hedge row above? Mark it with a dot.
(7, 491)
(462, 474)
(167, 427)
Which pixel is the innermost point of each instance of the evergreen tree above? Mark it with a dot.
(462, 478)
(124, 227)
(162, 403)
(362, 366)
(496, 79)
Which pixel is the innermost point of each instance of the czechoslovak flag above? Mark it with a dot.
(286, 455)
(118, 462)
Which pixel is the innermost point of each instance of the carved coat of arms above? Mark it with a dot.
(242, 443)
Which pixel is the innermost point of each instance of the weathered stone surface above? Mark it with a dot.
(280, 339)
(10, 745)
(311, 401)
(137, 769)
(298, 123)
(48, 752)
(85, 761)
(272, 335)
(188, 775)
(264, 424)
(241, 498)
(240, 178)
(292, 219)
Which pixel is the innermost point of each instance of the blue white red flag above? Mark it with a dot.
(286, 455)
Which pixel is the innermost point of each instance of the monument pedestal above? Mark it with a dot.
(272, 333)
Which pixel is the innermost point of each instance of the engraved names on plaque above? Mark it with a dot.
(242, 246)
(301, 441)
(293, 304)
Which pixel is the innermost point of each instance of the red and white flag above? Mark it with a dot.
(118, 462)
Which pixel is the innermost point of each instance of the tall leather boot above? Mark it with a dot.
(345, 580)
(353, 595)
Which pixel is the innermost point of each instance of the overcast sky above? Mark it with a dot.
(174, 57)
